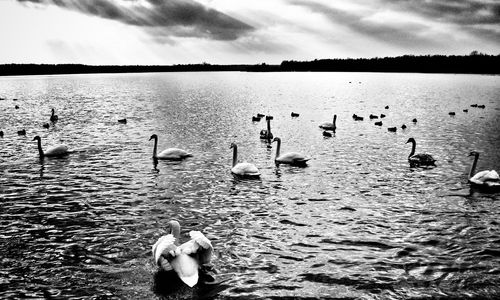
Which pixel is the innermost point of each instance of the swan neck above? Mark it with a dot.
(473, 168)
(155, 147)
(413, 146)
(334, 120)
(176, 230)
(278, 146)
(268, 127)
(40, 151)
(235, 155)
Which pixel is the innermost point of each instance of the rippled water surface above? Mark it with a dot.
(357, 223)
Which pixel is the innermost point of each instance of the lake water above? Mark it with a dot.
(357, 223)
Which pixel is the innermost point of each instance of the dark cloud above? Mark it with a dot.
(408, 36)
(185, 18)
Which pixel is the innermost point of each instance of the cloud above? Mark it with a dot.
(181, 18)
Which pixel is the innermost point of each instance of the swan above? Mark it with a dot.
(330, 126)
(54, 117)
(170, 153)
(421, 159)
(56, 151)
(184, 259)
(267, 134)
(489, 179)
(292, 158)
(244, 168)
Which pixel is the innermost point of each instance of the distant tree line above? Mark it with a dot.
(475, 63)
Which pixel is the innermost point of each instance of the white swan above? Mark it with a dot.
(184, 259)
(487, 178)
(54, 117)
(291, 158)
(56, 151)
(329, 126)
(421, 159)
(267, 134)
(170, 153)
(244, 168)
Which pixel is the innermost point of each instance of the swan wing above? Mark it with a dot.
(326, 125)
(485, 176)
(199, 247)
(245, 168)
(162, 247)
(57, 150)
(422, 158)
(173, 153)
(292, 157)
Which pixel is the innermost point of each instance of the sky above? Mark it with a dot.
(166, 32)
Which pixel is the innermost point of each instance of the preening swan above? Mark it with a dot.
(417, 160)
(487, 178)
(330, 126)
(56, 151)
(170, 153)
(244, 168)
(267, 134)
(291, 158)
(184, 259)
(54, 117)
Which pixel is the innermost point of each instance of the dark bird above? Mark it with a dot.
(382, 116)
(294, 115)
(266, 133)
(466, 110)
(123, 121)
(392, 129)
(269, 117)
(387, 107)
(255, 119)
(379, 123)
(473, 105)
(21, 132)
(330, 126)
(373, 117)
(354, 116)
(403, 126)
(16, 107)
(481, 106)
(414, 120)
(451, 113)
(417, 160)
(54, 117)
(260, 115)
(46, 125)
(1, 133)
(358, 118)
(327, 133)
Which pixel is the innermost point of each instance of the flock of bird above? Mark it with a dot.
(186, 259)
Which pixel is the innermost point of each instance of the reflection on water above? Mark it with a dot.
(357, 223)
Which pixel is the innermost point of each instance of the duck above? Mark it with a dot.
(291, 158)
(54, 117)
(414, 120)
(260, 115)
(387, 107)
(16, 107)
(392, 129)
(481, 106)
(46, 125)
(379, 123)
(266, 133)
(373, 116)
(417, 160)
(382, 116)
(21, 132)
(55, 151)
(327, 134)
(358, 118)
(1, 133)
(466, 110)
(123, 121)
(170, 153)
(184, 259)
(255, 119)
(242, 169)
(330, 126)
(487, 178)
(473, 105)
(294, 115)
(403, 126)
(451, 113)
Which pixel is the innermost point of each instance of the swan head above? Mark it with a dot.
(154, 136)
(233, 145)
(474, 153)
(276, 139)
(174, 228)
(37, 138)
(410, 140)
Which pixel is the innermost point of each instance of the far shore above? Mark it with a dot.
(475, 63)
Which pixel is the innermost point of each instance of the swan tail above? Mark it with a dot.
(187, 268)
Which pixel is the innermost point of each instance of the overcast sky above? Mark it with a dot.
(241, 31)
